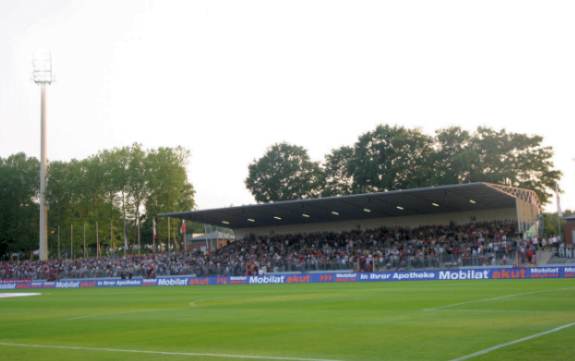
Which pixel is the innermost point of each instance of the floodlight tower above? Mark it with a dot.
(42, 75)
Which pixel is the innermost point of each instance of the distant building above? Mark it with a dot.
(569, 232)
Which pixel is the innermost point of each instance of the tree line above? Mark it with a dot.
(111, 197)
(115, 195)
(396, 157)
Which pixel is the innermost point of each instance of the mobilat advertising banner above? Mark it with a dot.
(431, 275)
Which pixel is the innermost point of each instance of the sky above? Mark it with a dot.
(227, 79)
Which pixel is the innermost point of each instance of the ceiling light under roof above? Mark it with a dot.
(435, 204)
(305, 215)
(335, 213)
(226, 222)
(367, 210)
(400, 208)
(278, 218)
(472, 201)
(251, 220)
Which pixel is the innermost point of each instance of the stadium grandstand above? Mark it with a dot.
(441, 205)
(477, 224)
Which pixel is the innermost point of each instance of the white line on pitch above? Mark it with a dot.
(164, 353)
(514, 342)
(499, 298)
(19, 294)
(103, 315)
(478, 301)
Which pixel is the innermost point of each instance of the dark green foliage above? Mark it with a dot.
(488, 155)
(551, 223)
(392, 157)
(18, 203)
(285, 172)
(338, 179)
(120, 189)
(453, 158)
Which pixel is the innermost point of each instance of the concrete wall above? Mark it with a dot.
(408, 221)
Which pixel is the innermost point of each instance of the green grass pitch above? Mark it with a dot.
(350, 322)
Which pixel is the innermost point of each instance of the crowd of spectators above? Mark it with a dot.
(380, 249)
(383, 249)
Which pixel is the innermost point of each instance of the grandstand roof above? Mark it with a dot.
(415, 201)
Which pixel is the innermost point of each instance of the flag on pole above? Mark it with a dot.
(154, 231)
(169, 234)
(559, 212)
(97, 241)
(183, 229)
(154, 234)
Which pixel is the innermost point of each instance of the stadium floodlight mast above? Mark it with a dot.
(42, 76)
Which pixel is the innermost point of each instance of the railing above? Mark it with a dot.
(306, 264)
(565, 252)
(398, 263)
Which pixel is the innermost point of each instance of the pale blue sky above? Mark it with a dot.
(226, 79)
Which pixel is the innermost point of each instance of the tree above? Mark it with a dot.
(392, 157)
(389, 158)
(112, 181)
(338, 180)
(168, 185)
(77, 198)
(551, 222)
(122, 188)
(138, 189)
(453, 157)
(119, 162)
(513, 159)
(398, 158)
(284, 172)
(18, 203)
